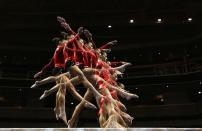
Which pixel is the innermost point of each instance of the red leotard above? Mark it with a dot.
(56, 61)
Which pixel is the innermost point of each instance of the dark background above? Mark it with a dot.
(166, 58)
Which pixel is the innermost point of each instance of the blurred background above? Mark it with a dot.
(161, 38)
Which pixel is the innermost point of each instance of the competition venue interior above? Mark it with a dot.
(161, 38)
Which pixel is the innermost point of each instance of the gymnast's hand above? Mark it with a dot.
(61, 19)
(65, 25)
(126, 63)
(114, 42)
(87, 34)
(38, 74)
(80, 31)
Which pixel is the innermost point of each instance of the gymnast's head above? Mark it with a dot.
(57, 41)
(103, 55)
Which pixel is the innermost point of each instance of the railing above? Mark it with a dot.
(161, 69)
(169, 68)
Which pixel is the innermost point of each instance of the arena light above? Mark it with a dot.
(189, 19)
(200, 83)
(109, 26)
(72, 103)
(199, 92)
(131, 21)
(159, 20)
(162, 100)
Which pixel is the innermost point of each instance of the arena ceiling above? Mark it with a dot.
(30, 25)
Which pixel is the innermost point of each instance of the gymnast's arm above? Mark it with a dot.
(47, 67)
(107, 46)
(122, 67)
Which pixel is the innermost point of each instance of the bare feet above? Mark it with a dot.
(123, 107)
(90, 105)
(57, 112)
(36, 84)
(128, 95)
(70, 124)
(45, 94)
(63, 117)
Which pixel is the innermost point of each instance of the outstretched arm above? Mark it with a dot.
(88, 35)
(47, 67)
(107, 46)
(122, 67)
(65, 25)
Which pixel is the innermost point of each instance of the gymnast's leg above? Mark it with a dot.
(44, 81)
(78, 108)
(75, 70)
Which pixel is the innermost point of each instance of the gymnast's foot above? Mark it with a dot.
(127, 118)
(36, 84)
(127, 63)
(128, 95)
(123, 107)
(88, 35)
(70, 124)
(90, 105)
(56, 113)
(45, 94)
(63, 117)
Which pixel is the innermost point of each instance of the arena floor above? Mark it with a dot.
(100, 129)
